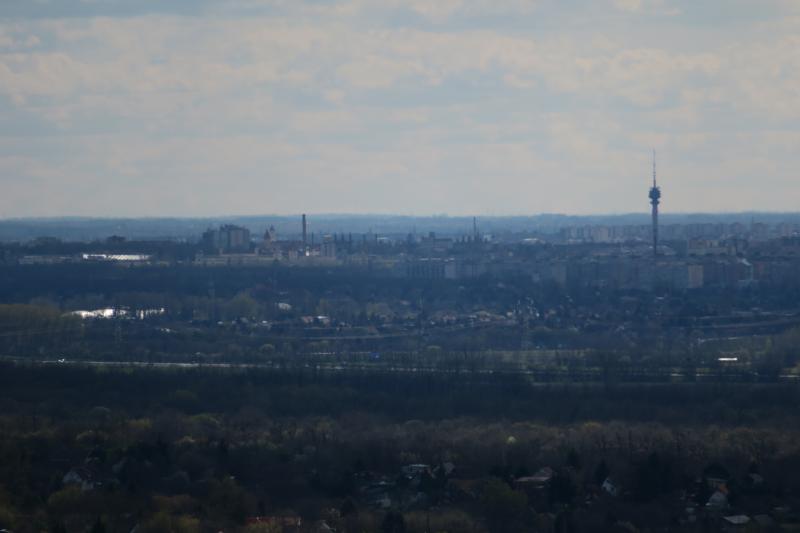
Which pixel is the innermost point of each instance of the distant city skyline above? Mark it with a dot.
(196, 108)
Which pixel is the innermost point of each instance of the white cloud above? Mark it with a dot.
(628, 5)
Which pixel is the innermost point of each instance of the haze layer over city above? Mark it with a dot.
(399, 266)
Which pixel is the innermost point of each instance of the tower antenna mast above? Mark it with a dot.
(654, 167)
(655, 199)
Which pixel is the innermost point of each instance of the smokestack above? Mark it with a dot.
(305, 230)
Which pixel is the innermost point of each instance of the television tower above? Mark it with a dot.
(655, 199)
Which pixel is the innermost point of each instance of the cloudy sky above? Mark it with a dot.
(200, 107)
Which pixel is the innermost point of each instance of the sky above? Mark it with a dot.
(460, 107)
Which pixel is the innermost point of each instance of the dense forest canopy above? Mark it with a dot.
(192, 450)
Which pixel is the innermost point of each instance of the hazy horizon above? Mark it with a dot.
(226, 216)
(89, 228)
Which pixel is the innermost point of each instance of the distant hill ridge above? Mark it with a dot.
(190, 228)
